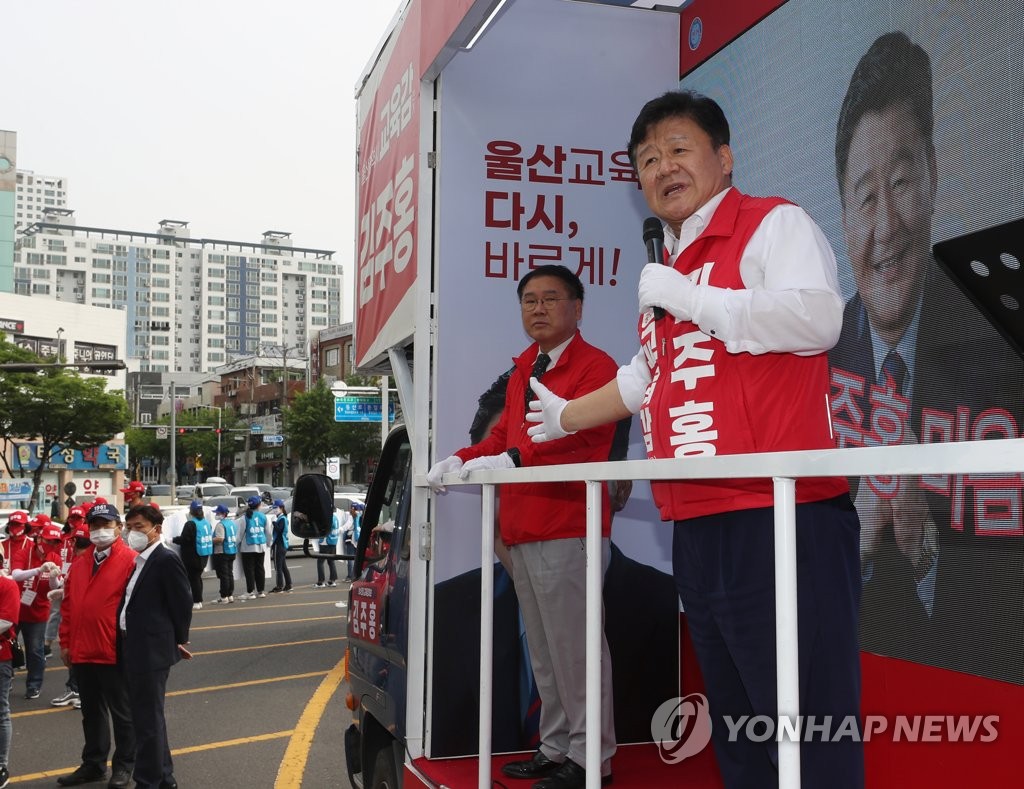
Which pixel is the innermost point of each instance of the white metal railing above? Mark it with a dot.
(1003, 456)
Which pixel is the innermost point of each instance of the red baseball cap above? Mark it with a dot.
(135, 486)
(51, 531)
(76, 512)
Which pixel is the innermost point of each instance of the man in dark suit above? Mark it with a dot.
(153, 628)
(916, 362)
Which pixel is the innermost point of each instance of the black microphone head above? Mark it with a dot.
(653, 229)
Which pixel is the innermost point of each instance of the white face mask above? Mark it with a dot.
(101, 538)
(138, 541)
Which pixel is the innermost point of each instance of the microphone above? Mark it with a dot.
(654, 240)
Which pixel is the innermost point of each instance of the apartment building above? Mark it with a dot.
(192, 304)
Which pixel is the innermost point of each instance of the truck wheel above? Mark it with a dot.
(384, 775)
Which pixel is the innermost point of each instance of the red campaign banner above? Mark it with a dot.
(387, 189)
(389, 165)
(706, 26)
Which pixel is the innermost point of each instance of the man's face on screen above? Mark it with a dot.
(888, 201)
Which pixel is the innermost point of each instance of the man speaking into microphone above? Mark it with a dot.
(736, 363)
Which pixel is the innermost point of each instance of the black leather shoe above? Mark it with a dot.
(85, 774)
(120, 779)
(537, 767)
(569, 775)
(169, 783)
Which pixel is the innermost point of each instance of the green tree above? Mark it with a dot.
(56, 407)
(189, 444)
(314, 436)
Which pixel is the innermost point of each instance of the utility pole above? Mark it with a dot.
(173, 476)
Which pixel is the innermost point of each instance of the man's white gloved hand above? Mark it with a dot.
(48, 568)
(439, 469)
(546, 411)
(55, 595)
(487, 463)
(663, 286)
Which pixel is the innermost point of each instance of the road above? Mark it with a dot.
(260, 705)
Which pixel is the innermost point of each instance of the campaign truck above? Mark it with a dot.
(492, 140)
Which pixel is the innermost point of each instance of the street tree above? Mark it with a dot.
(314, 436)
(195, 437)
(56, 408)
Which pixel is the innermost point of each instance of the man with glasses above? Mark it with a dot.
(544, 525)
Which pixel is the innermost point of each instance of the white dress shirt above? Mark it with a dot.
(790, 301)
(140, 562)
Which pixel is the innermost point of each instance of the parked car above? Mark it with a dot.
(205, 490)
(236, 504)
(344, 501)
(281, 493)
(183, 494)
(158, 490)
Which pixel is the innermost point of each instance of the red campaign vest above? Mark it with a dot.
(703, 400)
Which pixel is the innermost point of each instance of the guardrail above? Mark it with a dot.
(1000, 456)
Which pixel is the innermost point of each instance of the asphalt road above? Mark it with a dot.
(260, 705)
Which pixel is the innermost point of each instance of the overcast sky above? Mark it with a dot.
(237, 116)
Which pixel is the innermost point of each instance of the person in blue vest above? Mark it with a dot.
(196, 542)
(352, 535)
(328, 544)
(252, 546)
(225, 546)
(279, 548)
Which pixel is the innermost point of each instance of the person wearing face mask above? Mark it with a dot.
(16, 540)
(32, 567)
(279, 548)
(77, 541)
(93, 589)
(153, 623)
(253, 546)
(196, 541)
(66, 551)
(225, 546)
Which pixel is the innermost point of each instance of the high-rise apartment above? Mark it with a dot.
(192, 304)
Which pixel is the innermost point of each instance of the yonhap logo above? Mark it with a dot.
(681, 727)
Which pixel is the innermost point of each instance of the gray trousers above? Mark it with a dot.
(551, 584)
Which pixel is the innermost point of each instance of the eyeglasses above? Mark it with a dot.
(530, 304)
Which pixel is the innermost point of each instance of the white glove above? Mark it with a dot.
(439, 469)
(663, 286)
(487, 463)
(546, 410)
(55, 595)
(48, 568)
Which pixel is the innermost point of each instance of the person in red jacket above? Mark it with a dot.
(10, 608)
(543, 525)
(93, 590)
(733, 332)
(17, 540)
(134, 494)
(31, 566)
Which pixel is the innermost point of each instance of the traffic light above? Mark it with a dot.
(182, 431)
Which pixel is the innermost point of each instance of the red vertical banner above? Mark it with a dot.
(387, 188)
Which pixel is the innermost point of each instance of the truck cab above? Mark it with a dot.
(378, 622)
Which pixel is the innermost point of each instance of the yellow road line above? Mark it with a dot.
(223, 609)
(277, 735)
(268, 646)
(260, 624)
(209, 746)
(209, 688)
(293, 764)
(247, 683)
